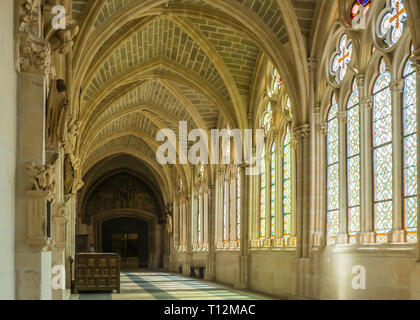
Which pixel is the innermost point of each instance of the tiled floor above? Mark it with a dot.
(142, 285)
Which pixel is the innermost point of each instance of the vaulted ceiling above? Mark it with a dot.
(141, 66)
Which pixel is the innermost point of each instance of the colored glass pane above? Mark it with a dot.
(262, 195)
(392, 22)
(382, 153)
(287, 185)
(410, 151)
(342, 58)
(273, 191)
(332, 172)
(353, 160)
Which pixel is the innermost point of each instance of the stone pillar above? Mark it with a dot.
(367, 234)
(302, 142)
(342, 237)
(367, 229)
(188, 235)
(246, 212)
(398, 233)
(8, 95)
(176, 221)
(211, 223)
(319, 189)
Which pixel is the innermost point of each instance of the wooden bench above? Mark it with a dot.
(200, 272)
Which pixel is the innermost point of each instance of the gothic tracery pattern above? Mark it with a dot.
(382, 153)
(353, 161)
(410, 146)
(333, 171)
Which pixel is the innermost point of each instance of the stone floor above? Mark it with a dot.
(143, 285)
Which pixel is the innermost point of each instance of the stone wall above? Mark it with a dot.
(7, 150)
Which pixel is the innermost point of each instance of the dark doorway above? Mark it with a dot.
(128, 237)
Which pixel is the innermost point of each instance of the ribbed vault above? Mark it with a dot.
(142, 66)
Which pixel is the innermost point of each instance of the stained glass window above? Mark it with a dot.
(382, 153)
(225, 211)
(332, 172)
(287, 185)
(262, 195)
(360, 5)
(238, 203)
(392, 22)
(353, 162)
(342, 58)
(410, 151)
(273, 191)
(268, 117)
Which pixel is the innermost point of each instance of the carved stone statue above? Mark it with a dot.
(41, 178)
(73, 131)
(57, 108)
(169, 217)
(63, 40)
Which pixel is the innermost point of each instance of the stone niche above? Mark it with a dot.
(121, 191)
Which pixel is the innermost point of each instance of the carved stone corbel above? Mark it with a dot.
(34, 55)
(301, 132)
(63, 40)
(29, 16)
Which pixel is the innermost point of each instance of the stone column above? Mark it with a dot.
(302, 137)
(188, 235)
(211, 223)
(398, 233)
(319, 191)
(176, 221)
(33, 257)
(246, 213)
(342, 237)
(367, 228)
(183, 225)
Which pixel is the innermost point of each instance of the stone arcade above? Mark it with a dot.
(333, 214)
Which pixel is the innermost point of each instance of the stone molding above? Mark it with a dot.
(301, 132)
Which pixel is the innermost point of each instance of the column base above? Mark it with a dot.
(367, 237)
(397, 236)
(342, 238)
(240, 286)
(209, 278)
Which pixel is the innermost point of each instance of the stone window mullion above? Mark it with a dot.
(398, 233)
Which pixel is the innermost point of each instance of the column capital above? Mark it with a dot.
(301, 132)
(342, 116)
(397, 86)
(367, 103)
(323, 128)
(360, 79)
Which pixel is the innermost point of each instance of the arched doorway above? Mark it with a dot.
(128, 237)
